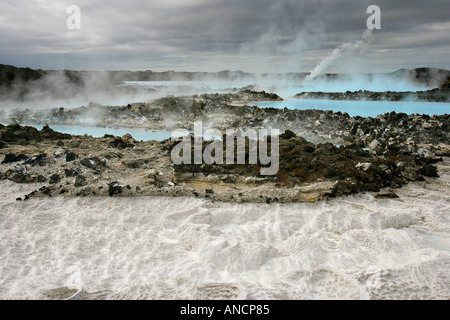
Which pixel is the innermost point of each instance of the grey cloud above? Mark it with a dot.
(200, 34)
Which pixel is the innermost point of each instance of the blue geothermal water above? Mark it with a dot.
(137, 133)
(360, 108)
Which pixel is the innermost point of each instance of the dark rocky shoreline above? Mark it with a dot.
(433, 95)
(375, 153)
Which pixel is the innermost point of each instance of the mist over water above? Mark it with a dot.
(55, 91)
(285, 86)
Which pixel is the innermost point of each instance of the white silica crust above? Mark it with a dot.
(354, 247)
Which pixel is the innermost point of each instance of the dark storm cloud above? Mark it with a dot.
(253, 35)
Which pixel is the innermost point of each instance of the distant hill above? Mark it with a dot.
(429, 76)
(423, 71)
(17, 83)
(10, 75)
(22, 83)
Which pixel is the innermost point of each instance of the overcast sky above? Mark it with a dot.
(213, 35)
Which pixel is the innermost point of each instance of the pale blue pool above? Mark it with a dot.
(137, 133)
(360, 108)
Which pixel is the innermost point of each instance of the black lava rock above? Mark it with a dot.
(80, 181)
(120, 144)
(46, 190)
(11, 157)
(55, 179)
(114, 188)
(92, 163)
(70, 173)
(429, 171)
(70, 156)
(389, 195)
(38, 159)
(287, 135)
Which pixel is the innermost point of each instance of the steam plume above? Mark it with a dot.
(345, 48)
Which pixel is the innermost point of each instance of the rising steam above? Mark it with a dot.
(358, 46)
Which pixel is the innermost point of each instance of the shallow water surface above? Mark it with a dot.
(97, 132)
(360, 108)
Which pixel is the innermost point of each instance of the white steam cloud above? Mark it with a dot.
(358, 46)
